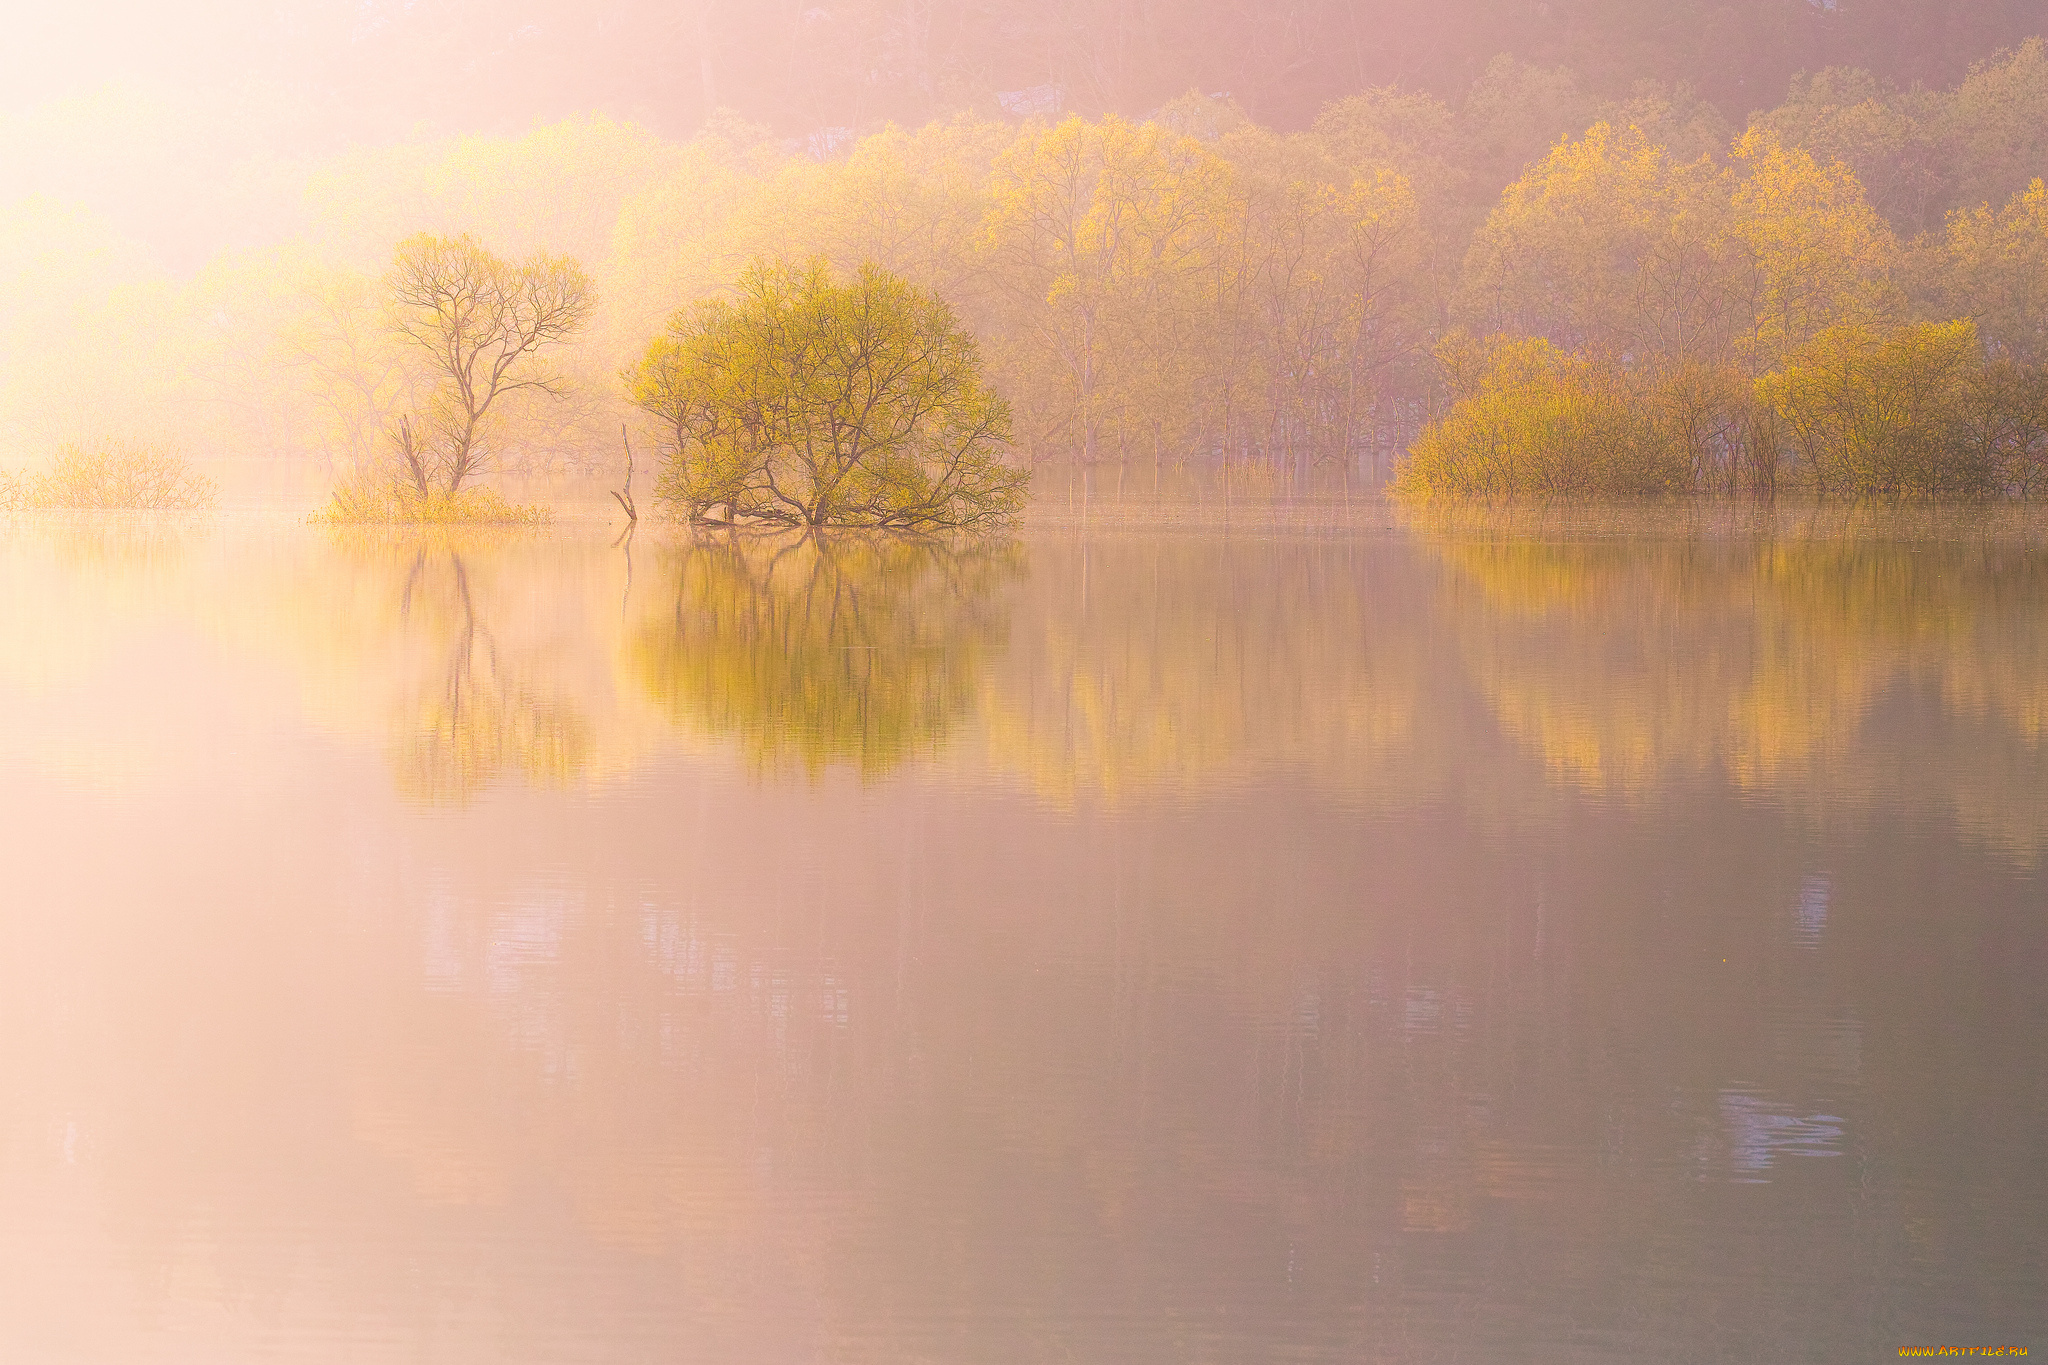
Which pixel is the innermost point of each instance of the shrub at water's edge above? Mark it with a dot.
(372, 500)
(108, 475)
(1913, 412)
(1534, 421)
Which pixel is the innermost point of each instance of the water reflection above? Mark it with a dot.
(1829, 670)
(1759, 1132)
(81, 597)
(820, 648)
(477, 658)
(1421, 946)
(1142, 665)
(474, 709)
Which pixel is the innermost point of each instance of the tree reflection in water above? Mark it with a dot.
(1839, 659)
(1341, 959)
(470, 707)
(1145, 665)
(821, 648)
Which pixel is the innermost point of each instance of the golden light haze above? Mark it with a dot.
(197, 208)
(1040, 838)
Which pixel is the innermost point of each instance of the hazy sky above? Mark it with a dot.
(189, 125)
(189, 121)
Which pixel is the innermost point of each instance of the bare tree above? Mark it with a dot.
(625, 497)
(412, 457)
(484, 322)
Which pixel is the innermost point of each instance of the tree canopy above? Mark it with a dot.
(806, 402)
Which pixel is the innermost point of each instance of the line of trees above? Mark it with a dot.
(1187, 287)
(1654, 325)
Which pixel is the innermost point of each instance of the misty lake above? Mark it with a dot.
(1312, 938)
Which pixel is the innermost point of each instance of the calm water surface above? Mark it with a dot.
(1540, 941)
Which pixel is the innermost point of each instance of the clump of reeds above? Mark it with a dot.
(374, 498)
(109, 475)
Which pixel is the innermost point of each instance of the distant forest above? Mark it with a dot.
(1291, 267)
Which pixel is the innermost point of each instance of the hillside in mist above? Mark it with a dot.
(1264, 220)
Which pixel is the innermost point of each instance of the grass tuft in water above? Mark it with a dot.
(109, 475)
(367, 500)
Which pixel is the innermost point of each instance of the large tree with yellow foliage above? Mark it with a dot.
(807, 402)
